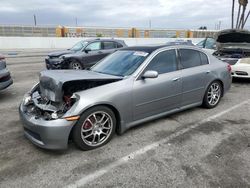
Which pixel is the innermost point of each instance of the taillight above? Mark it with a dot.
(2, 57)
(229, 68)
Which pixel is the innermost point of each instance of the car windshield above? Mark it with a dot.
(121, 63)
(201, 44)
(78, 46)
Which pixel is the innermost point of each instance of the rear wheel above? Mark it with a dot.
(213, 95)
(74, 64)
(95, 128)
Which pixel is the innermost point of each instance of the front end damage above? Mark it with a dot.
(43, 110)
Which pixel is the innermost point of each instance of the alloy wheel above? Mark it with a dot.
(76, 65)
(214, 94)
(96, 128)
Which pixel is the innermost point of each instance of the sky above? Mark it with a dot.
(171, 14)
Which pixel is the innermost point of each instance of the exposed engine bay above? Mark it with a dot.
(232, 56)
(232, 45)
(54, 95)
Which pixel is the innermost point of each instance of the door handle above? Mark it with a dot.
(208, 71)
(176, 79)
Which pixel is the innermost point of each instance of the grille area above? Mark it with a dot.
(241, 73)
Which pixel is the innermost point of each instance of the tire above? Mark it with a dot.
(74, 64)
(95, 128)
(213, 95)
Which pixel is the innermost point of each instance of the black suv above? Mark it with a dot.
(84, 54)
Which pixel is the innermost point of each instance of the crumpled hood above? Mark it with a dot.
(77, 54)
(59, 53)
(52, 81)
(233, 39)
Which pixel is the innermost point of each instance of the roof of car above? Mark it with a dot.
(98, 39)
(148, 49)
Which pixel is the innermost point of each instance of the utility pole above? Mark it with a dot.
(35, 19)
(149, 24)
(219, 25)
(233, 14)
(76, 22)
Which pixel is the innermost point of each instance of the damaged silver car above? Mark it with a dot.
(129, 87)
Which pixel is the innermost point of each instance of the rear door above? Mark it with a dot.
(108, 47)
(157, 95)
(194, 76)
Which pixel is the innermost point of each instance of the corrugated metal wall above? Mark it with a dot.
(64, 31)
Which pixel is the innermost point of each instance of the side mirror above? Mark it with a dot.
(150, 74)
(87, 50)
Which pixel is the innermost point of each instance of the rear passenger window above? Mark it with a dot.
(109, 45)
(204, 59)
(190, 58)
(164, 62)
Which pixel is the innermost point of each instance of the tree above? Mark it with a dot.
(203, 28)
(241, 19)
(244, 4)
(238, 17)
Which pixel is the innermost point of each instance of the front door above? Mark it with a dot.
(152, 96)
(94, 53)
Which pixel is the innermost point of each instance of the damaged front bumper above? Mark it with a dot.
(53, 134)
(52, 64)
(41, 131)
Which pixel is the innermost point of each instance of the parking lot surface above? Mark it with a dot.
(194, 148)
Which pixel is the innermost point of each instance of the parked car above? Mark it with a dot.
(241, 69)
(131, 86)
(208, 44)
(89, 52)
(54, 57)
(5, 77)
(233, 47)
(181, 42)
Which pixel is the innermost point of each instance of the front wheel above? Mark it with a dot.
(74, 64)
(213, 95)
(95, 128)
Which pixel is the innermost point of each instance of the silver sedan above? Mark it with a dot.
(129, 87)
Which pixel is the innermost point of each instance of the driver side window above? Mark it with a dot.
(94, 46)
(163, 62)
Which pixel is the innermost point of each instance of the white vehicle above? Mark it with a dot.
(241, 69)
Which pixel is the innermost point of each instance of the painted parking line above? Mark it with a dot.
(98, 173)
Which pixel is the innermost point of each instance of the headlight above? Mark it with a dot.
(26, 99)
